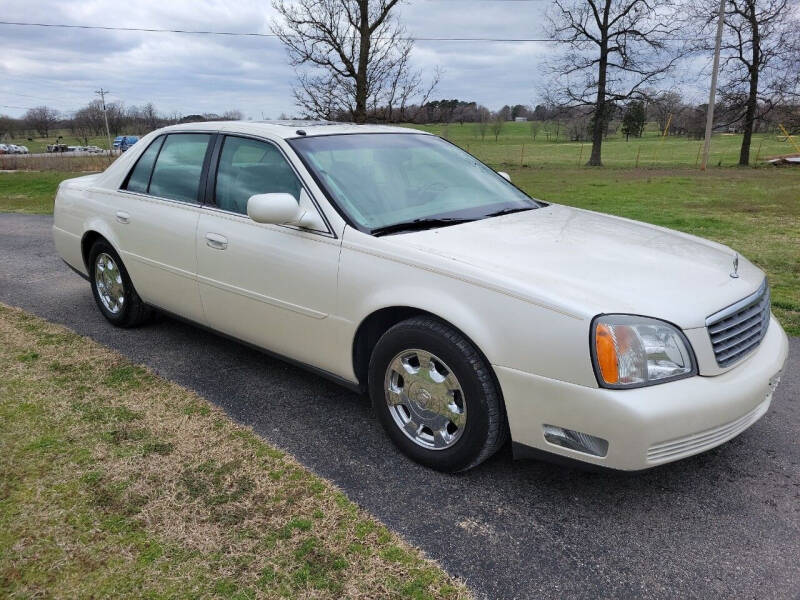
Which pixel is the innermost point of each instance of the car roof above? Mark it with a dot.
(290, 129)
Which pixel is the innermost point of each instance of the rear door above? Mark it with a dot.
(157, 212)
(271, 285)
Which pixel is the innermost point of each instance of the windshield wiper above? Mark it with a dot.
(508, 211)
(419, 224)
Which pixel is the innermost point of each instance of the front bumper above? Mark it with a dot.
(649, 426)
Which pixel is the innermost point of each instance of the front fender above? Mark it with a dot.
(508, 330)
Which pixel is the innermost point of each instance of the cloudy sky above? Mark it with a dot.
(201, 73)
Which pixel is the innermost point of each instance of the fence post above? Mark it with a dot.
(521, 156)
(638, 151)
(758, 153)
(696, 160)
(580, 158)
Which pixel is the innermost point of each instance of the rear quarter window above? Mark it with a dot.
(139, 179)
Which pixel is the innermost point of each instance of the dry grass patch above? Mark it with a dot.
(56, 162)
(116, 482)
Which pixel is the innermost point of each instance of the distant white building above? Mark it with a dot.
(520, 119)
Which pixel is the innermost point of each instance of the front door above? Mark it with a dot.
(270, 285)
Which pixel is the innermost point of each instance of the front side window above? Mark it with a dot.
(248, 167)
(140, 176)
(176, 175)
(392, 180)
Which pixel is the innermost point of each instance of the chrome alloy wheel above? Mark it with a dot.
(425, 399)
(108, 281)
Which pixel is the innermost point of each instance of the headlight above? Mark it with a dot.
(630, 351)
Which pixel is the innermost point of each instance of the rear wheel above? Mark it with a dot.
(435, 395)
(112, 288)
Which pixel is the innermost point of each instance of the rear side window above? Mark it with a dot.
(249, 167)
(140, 176)
(176, 175)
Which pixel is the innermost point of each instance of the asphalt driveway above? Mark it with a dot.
(723, 524)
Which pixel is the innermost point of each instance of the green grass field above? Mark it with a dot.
(30, 191)
(515, 147)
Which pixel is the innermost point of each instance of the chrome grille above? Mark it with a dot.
(737, 330)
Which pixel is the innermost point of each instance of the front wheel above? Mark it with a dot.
(436, 396)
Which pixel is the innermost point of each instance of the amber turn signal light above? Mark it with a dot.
(606, 353)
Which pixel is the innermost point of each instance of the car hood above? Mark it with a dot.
(587, 263)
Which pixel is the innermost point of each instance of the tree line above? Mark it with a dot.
(89, 121)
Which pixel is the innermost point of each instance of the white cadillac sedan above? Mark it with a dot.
(397, 264)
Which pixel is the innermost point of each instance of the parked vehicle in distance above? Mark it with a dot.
(123, 142)
(94, 150)
(57, 148)
(397, 264)
(13, 149)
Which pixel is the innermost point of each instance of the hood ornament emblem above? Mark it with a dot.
(735, 272)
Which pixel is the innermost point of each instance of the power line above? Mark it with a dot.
(272, 35)
(259, 35)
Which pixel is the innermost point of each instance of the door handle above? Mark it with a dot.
(123, 217)
(216, 241)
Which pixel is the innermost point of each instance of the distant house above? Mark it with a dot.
(520, 119)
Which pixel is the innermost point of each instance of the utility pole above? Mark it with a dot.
(713, 93)
(102, 93)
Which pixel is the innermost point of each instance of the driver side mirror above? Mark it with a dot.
(504, 175)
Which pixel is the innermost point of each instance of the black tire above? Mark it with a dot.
(134, 312)
(486, 428)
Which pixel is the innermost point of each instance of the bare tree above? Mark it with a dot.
(115, 111)
(760, 64)
(150, 117)
(482, 122)
(7, 126)
(497, 124)
(357, 51)
(535, 127)
(92, 115)
(82, 126)
(42, 119)
(666, 107)
(616, 49)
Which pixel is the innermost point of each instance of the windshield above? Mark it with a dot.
(387, 179)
